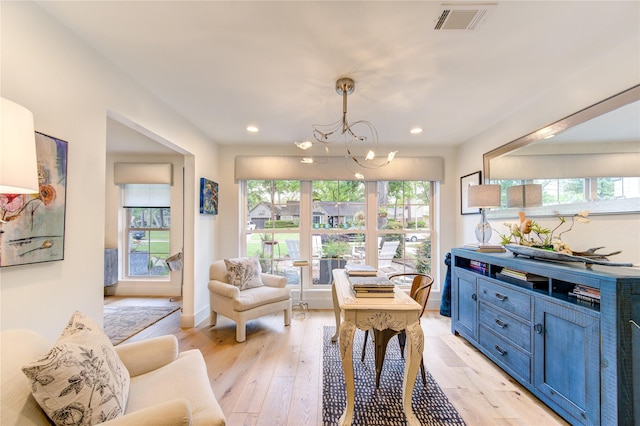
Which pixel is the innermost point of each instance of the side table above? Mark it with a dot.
(301, 264)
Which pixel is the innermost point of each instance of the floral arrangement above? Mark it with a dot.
(528, 232)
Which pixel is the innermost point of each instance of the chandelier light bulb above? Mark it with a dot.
(391, 156)
(307, 160)
(370, 155)
(359, 176)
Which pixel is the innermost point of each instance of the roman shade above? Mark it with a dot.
(124, 173)
(143, 195)
(566, 166)
(336, 168)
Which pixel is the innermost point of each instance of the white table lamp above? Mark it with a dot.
(484, 197)
(18, 163)
(527, 195)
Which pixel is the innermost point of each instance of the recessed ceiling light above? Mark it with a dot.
(416, 130)
(252, 129)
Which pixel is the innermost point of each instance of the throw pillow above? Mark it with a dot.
(81, 380)
(244, 272)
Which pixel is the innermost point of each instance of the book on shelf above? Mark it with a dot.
(479, 266)
(537, 284)
(360, 270)
(590, 292)
(526, 276)
(485, 248)
(584, 298)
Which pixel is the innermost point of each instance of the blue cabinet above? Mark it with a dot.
(576, 356)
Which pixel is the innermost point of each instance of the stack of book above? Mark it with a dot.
(524, 279)
(371, 286)
(587, 294)
(360, 270)
(485, 248)
(478, 266)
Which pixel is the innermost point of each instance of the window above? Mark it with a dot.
(404, 225)
(147, 232)
(332, 224)
(273, 225)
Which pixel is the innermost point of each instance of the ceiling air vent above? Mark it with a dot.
(463, 16)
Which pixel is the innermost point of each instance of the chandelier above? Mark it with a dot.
(360, 137)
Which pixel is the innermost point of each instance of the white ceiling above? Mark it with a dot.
(227, 64)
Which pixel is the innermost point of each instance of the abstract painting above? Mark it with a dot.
(208, 196)
(33, 224)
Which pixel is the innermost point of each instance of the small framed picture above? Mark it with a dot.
(466, 181)
(208, 196)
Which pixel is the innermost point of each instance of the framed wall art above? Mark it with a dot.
(34, 226)
(470, 179)
(208, 196)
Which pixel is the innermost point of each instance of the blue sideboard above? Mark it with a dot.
(574, 355)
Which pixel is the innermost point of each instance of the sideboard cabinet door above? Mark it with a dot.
(567, 359)
(464, 295)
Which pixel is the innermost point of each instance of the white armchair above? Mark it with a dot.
(245, 305)
(167, 387)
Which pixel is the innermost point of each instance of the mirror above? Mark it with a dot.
(589, 160)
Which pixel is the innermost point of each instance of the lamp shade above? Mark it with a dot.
(18, 162)
(484, 196)
(527, 195)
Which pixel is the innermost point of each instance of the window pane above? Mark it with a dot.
(273, 204)
(404, 239)
(273, 226)
(148, 241)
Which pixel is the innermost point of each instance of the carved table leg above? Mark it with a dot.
(415, 339)
(347, 332)
(336, 311)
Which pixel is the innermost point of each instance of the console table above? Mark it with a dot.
(396, 313)
(576, 356)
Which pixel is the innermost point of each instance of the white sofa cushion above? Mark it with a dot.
(187, 375)
(244, 272)
(252, 298)
(81, 380)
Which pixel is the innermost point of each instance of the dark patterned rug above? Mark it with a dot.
(122, 322)
(384, 405)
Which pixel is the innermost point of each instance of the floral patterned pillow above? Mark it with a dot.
(81, 380)
(244, 272)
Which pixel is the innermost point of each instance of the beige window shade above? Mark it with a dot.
(565, 166)
(335, 168)
(143, 173)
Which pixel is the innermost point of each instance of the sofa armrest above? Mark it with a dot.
(273, 280)
(148, 355)
(171, 413)
(224, 289)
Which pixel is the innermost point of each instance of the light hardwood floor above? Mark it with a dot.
(275, 377)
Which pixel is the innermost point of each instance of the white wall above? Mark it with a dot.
(610, 73)
(70, 91)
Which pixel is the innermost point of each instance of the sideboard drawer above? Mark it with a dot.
(509, 299)
(506, 326)
(514, 359)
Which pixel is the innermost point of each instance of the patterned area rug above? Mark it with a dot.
(384, 405)
(122, 322)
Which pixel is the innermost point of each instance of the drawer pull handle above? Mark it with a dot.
(500, 350)
(501, 297)
(501, 324)
(474, 296)
(538, 328)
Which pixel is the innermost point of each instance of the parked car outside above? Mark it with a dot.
(415, 237)
(251, 226)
